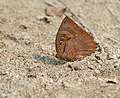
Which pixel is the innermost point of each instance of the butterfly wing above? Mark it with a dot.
(72, 42)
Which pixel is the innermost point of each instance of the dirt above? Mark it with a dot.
(28, 66)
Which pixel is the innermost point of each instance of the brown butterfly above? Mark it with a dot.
(72, 42)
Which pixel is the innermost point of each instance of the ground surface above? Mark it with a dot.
(28, 67)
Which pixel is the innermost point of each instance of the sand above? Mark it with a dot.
(28, 66)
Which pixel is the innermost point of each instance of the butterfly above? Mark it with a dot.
(72, 42)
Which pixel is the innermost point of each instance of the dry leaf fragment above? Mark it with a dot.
(53, 11)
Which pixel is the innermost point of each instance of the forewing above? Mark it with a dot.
(72, 42)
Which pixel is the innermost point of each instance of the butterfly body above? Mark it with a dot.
(72, 42)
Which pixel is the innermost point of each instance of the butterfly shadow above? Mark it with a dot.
(48, 60)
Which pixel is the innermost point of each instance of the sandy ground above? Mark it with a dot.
(28, 66)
